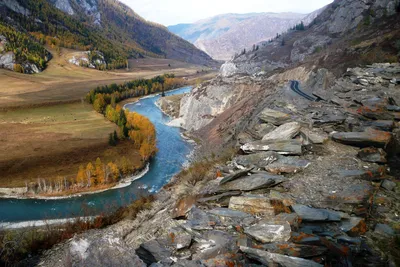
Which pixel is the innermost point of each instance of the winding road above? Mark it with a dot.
(295, 87)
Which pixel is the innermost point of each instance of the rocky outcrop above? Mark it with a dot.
(209, 100)
(7, 60)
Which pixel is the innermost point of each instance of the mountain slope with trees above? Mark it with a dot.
(109, 27)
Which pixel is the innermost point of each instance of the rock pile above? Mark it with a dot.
(303, 192)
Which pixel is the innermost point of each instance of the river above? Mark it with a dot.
(172, 154)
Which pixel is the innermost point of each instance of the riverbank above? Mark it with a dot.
(21, 192)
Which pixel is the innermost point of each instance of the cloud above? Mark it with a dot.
(170, 12)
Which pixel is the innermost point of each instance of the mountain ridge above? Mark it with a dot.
(108, 26)
(224, 35)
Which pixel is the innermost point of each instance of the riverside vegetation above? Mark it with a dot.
(134, 130)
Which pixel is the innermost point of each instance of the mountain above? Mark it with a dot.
(224, 35)
(106, 26)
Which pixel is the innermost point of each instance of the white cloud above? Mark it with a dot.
(169, 12)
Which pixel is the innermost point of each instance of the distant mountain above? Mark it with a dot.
(224, 35)
(107, 26)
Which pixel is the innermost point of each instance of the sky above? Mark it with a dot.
(171, 12)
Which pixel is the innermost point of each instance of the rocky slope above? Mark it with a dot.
(313, 179)
(224, 35)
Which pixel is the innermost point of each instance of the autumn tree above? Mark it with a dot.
(100, 175)
(114, 172)
(89, 174)
(80, 177)
(99, 103)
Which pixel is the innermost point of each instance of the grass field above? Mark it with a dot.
(65, 82)
(53, 141)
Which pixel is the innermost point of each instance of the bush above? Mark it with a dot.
(18, 68)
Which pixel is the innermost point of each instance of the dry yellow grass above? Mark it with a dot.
(65, 82)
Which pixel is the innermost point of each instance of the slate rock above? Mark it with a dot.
(253, 205)
(329, 119)
(287, 165)
(229, 213)
(388, 185)
(314, 215)
(258, 159)
(393, 108)
(274, 259)
(370, 137)
(234, 176)
(295, 250)
(252, 182)
(201, 220)
(354, 226)
(283, 147)
(183, 206)
(384, 229)
(354, 194)
(153, 252)
(273, 116)
(100, 250)
(219, 197)
(347, 240)
(313, 136)
(382, 125)
(372, 154)
(188, 263)
(306, 239)
(214, 243)
(267, 232)
(286, 131)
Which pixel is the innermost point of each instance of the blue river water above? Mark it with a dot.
(173, 152)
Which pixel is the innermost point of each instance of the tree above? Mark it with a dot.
(89, 174)
(100, 175)
(114, 171)
(99, 103)
(80, 177)
(111, 141)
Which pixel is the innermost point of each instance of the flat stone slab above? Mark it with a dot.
(267, 232)
(382, 125)
(286, 131)
(384, 229)
(287, 165)
(229, 213)
(354, 226)
(234, 176)
(372, 154)
(252, 182)
(273, 116)
(274, 259)
(295, 250)
(252, 205)
(314, 136)
(283, 147)
(370, 137)
(315, 215)
(258, 159)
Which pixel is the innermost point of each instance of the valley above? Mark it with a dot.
(287, 154)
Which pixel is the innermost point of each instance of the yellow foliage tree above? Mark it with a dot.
(114, 171)
(80, 177)
(100, 175)
(89, 174)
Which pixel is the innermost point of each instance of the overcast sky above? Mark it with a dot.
(170, 12)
